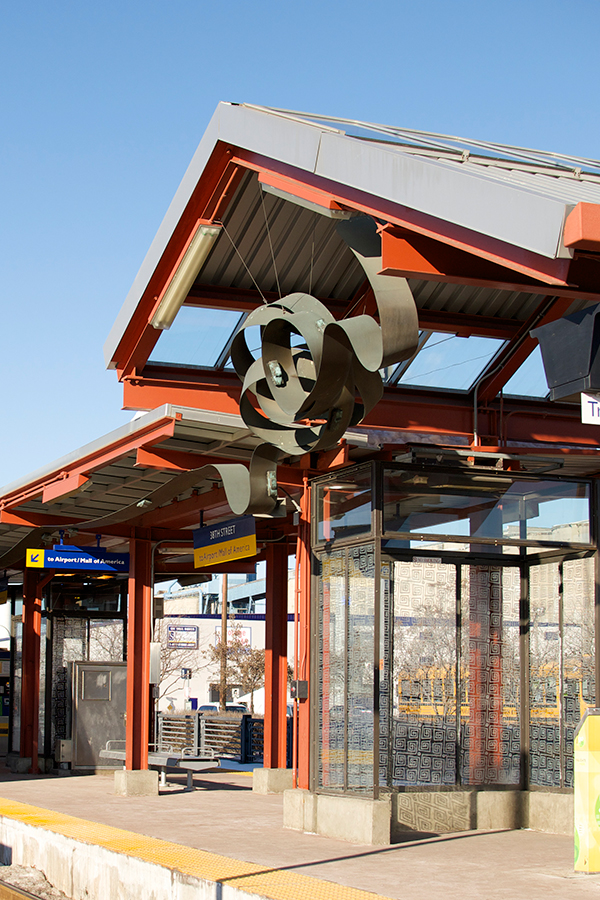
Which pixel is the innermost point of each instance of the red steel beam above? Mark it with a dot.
(431, 411)
(33, 585)
(275, 732)
(181, 461)
(582, 227)
(303, 649)
(35, 519)
(533, 265)
(139, 620)
(416, 256)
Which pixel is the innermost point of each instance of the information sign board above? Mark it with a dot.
(77, 558)
(234, 539)
(182, 637)
(590, 409)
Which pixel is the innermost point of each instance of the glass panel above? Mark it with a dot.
(448, 361)
(82, 592)
(530, 378)
(106, 640)
(344, 506)
(544, 675)
(490, 685)
(423, 740)
(69, 644)
(361, 652)
(332, 604)
(17, 626)
(42, 697)
(386, 683)
(196, 337)
(487, 507)
(579, 690)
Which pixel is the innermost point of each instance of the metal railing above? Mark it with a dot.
(235, 737)
(178, 733)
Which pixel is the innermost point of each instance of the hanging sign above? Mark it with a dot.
(234, 539)
(590, 409)
(68, 558)
(3, 590)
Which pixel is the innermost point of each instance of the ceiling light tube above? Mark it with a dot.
(184, 276)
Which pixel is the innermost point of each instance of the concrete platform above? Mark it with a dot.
(247, 851)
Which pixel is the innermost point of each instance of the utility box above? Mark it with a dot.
(587, 792)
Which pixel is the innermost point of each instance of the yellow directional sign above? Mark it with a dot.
(34, 559)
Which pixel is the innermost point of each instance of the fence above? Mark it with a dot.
(239, 738)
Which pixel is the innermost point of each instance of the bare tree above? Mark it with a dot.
(237, 664)
(250, 664)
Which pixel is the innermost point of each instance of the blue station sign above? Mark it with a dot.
(69, 558)
(234, 539)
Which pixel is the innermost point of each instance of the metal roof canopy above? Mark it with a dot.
(120, 472)
(519, 199)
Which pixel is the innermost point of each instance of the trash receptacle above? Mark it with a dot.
(587, 792)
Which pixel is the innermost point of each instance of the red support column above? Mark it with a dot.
(275, 746)
(30, 684)
(139, 616)
(303, 663)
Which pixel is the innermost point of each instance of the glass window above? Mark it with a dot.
(448, 361)
(530, 378)
(197, 337)
(86, 593)
(486, 507)
(490, 750)
(544, 675)
(344, 506)
(420, 728)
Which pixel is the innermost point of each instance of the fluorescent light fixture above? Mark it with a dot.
(186, 273)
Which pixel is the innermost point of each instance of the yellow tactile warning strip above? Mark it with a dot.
(255, 879)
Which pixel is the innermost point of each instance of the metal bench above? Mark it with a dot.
(163, 758)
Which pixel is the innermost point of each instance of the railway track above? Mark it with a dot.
(10, 892)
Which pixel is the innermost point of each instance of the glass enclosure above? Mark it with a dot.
(443, 661)
(83, 619)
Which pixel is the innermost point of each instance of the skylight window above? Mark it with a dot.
(530, 378)
(198, 337)
(447, 361)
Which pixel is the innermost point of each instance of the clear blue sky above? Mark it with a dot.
(102, 106)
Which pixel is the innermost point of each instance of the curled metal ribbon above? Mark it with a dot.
(311, 366)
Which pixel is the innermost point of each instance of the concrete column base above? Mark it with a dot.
(355, 819)
(388, 820)
(137, 783)
(21, 765)
(272, 781)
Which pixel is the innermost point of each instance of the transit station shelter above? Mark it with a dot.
(445, 532)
